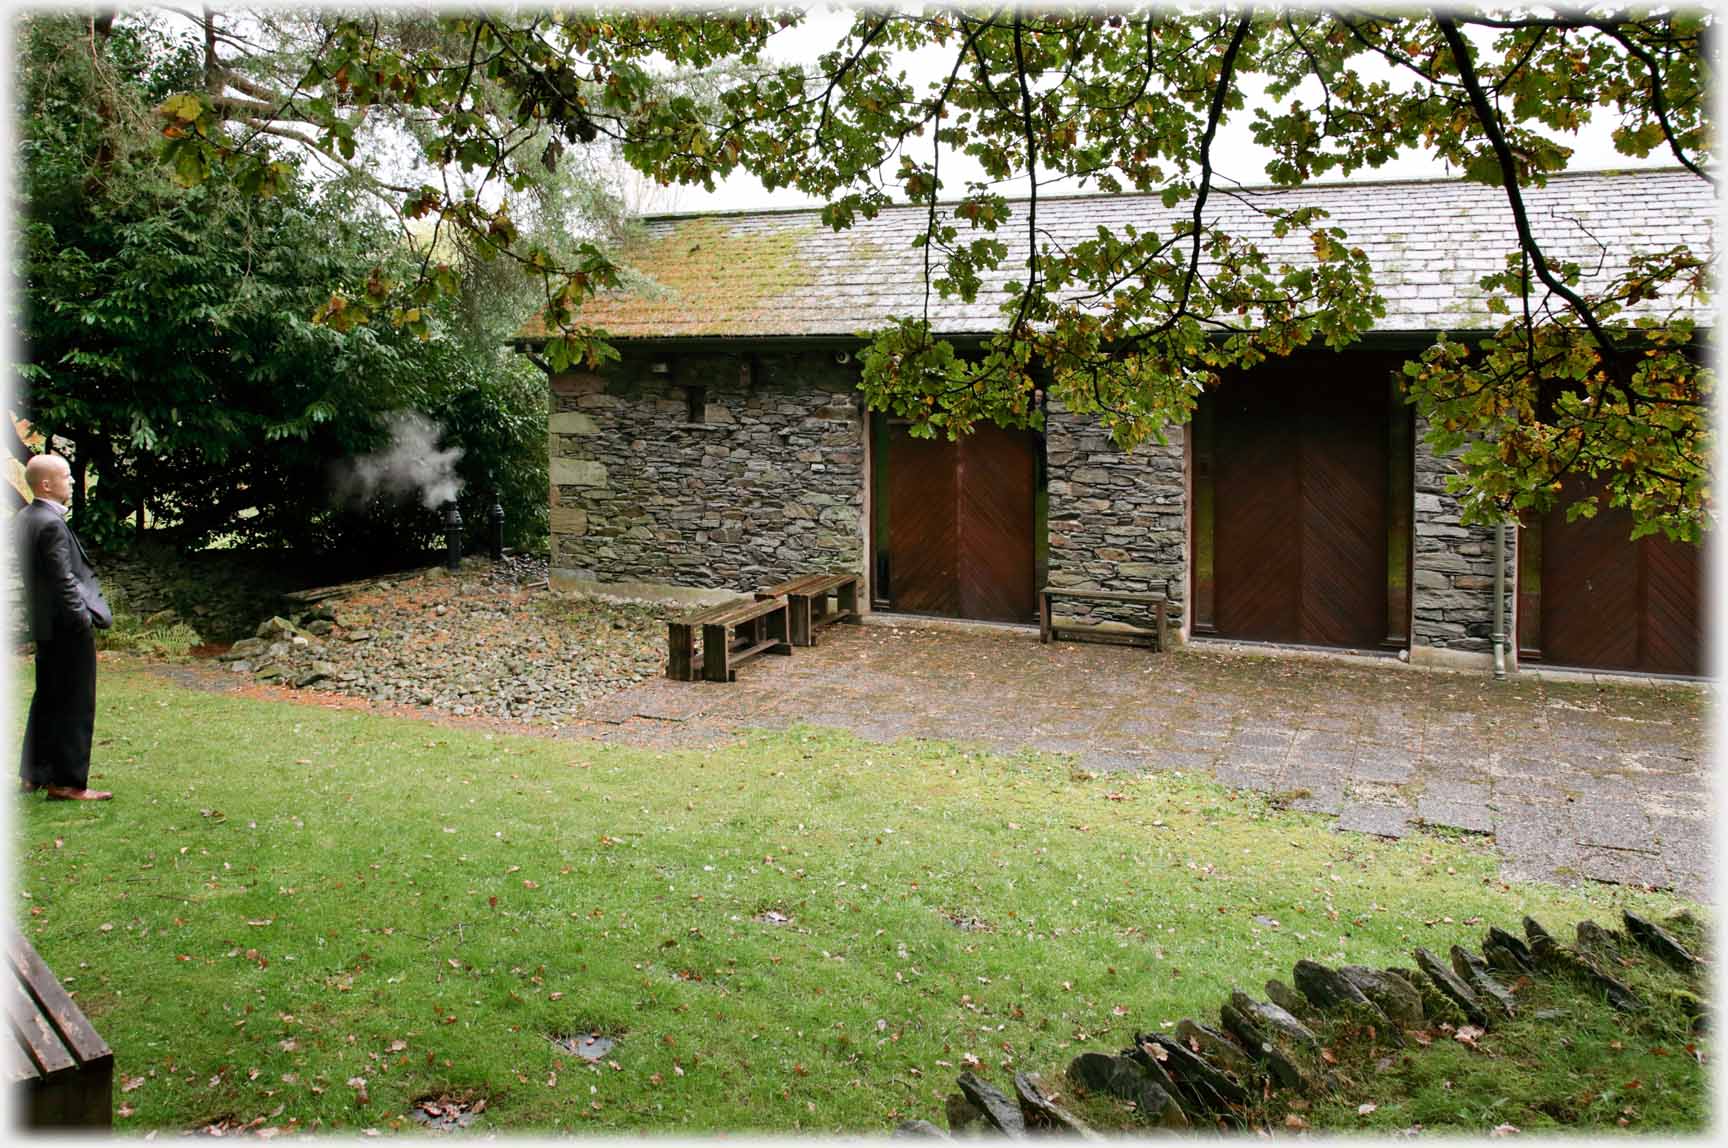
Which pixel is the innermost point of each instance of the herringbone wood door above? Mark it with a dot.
(960, 524)
(1299, 512)
(1612, 603)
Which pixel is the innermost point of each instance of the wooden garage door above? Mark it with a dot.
(958, 536)
(1300, 469)
(1589, 596)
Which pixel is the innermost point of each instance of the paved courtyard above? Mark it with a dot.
(1594, 780)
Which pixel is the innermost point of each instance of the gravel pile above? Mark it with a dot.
(491, 640)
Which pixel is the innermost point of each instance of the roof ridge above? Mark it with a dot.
(1263, 188)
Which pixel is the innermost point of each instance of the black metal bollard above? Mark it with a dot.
(495, 528)
(453, 536)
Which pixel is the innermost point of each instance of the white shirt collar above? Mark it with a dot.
(61, 510)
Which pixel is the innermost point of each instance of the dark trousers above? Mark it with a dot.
(62, 713)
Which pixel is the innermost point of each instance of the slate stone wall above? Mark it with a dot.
(1452, 570)
(769, 485)
(1117, 519)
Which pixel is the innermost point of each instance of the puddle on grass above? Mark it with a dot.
(446, 1113)
(589, 1046)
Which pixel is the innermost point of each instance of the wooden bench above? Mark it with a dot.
(64, 1068)
(802, 596)
(731, 633)
(1050, 629)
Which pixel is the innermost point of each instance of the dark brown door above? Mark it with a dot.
(1300, 457)
(960, 525)
(1604, 601)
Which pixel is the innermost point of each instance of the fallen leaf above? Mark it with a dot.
(1365, 1109)
(1294, 1121)
(1504, 1130)
(128, 1083)
(125, 1110)
(398, 1045)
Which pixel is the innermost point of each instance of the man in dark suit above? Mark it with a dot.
(65, 606)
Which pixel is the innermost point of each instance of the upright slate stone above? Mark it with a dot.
(1290, 1001)
(1437, 1007)
(1474, 972)
(1397, 997)
(1280, 1041)
(1151, 1065)
(1455, 990)
(1210, 1087)
(1043, 1113)
(1120, 1077)
(1217, 1048)
(1662, 943)
(1507, 953)
(1593, 938)
(999, 1111)
(1335, 996)
(1554, 957)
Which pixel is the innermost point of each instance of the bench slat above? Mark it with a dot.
(38, 1036)
(19, 1066)
(731, 613)
(79, 1035)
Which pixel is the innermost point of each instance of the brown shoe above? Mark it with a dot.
(67, 793)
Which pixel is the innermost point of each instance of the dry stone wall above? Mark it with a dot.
(1452, 583)
(768, 484)
(1117, 519)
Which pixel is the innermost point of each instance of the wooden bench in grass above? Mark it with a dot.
(1051, 628)
(65, 1070)
(731, 634)
(807, 602)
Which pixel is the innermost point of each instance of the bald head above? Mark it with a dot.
(49, 476)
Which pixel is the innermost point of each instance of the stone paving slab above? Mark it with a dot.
(1380, 820)
(1589, 779)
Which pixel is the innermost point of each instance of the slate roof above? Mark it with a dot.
(782, 273)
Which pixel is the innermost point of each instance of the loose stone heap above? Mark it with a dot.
(1210, 1075)
(492, 640)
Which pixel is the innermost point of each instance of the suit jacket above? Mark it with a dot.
(61, 592)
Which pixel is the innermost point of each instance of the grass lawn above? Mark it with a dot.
(315, 916)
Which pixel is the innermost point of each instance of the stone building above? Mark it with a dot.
(730, 448)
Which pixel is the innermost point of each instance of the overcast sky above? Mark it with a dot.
(1235, 155)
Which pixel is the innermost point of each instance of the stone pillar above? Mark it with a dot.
(1452, 572)
(1117, 519)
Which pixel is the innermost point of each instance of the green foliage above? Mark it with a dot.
(169, 330)
(1133, 324)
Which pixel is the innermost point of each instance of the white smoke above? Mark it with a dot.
(410, 465)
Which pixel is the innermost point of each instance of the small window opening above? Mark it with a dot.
(696, 404)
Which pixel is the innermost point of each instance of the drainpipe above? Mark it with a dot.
(1499, 601)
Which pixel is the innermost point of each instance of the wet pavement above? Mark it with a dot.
(1576, 780)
